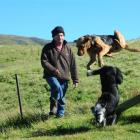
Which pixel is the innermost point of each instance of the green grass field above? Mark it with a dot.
(24, 60)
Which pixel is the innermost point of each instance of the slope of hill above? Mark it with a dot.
(20, 40)
(77, 123)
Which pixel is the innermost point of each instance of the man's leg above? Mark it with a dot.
(53, 106)
(61, 100)
(55, 85)
(58, 89)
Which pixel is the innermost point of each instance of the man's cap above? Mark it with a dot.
(57, 30)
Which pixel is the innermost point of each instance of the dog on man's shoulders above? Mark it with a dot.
(104, 110)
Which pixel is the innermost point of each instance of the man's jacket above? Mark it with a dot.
(64, 61)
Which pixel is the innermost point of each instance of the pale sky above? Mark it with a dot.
(36, 18)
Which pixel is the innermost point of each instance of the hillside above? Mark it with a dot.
(20, 40)
(78, 121)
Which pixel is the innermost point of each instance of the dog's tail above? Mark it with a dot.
(120, 40)
(131, 49)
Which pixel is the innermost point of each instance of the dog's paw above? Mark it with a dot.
(114, 118)
(104, 123)
(89, 72)
(111, 120)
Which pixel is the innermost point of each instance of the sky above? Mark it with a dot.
(36, 18)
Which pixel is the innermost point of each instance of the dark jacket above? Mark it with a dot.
(64, 61)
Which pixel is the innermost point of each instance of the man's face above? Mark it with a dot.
(59, 38)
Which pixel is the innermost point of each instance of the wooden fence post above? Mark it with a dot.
(19, 97)
(128, 104)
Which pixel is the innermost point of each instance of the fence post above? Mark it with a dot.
(128, 104)
(19, 98)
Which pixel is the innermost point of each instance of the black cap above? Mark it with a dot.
(57, 30)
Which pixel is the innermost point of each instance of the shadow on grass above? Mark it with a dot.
(130, 119)
(60, 131)
(136, 131)
(18, 122)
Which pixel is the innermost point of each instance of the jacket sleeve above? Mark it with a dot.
(73, 68)
(45, 62)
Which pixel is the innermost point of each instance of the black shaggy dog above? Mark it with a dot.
(104, 109)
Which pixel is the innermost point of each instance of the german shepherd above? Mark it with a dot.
(100, 45)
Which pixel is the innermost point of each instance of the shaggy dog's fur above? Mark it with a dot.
(104, 109)
(100, 45)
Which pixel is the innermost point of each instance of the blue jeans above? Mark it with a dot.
(58, 90)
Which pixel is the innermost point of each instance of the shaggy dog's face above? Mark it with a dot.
(99, 113)
(82, 44)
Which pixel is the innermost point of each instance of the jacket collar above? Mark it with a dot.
(64, 42)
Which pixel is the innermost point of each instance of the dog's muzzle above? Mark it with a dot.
(80, 52)
(99, 117)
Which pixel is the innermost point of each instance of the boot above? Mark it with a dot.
(60, 108)
(53, 106)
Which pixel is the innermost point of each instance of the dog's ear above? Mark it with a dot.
(87, 38)
(92, 109)
(119, 76)
(79, 39)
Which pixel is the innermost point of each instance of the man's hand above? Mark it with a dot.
(75, 84)
(57, 73)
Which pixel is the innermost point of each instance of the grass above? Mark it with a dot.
(78, 121)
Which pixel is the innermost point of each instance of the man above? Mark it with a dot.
(59, 63)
